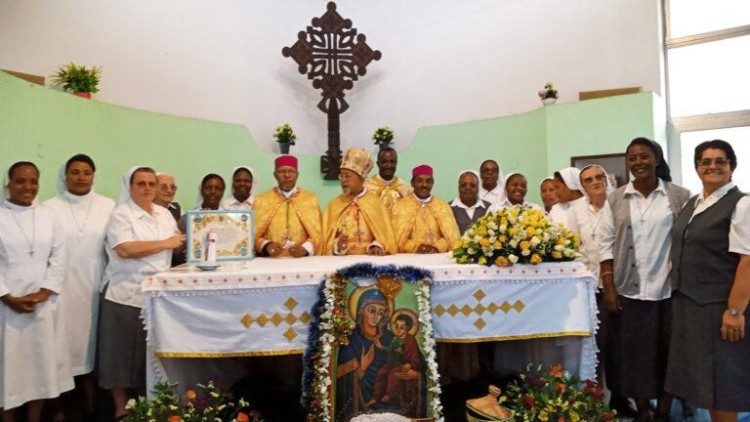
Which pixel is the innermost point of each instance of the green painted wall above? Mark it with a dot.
(48, 126)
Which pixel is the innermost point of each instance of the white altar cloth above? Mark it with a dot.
(262, 307)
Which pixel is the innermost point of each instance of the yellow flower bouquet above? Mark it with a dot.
(516, 234)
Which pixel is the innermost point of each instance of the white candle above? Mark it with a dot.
(209, 252)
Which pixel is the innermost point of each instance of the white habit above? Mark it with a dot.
(32, 256)
(83, 221)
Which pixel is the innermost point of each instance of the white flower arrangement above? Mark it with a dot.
(383, 135)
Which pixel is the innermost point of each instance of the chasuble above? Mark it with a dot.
(388, 191)
(430, 222)
(362, 219)
(290, 221)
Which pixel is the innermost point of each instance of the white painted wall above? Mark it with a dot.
(443, 60)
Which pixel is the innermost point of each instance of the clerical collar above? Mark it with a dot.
(288, 194)
(11, 206)
(423, 201)
(78, 198)
(361, 194)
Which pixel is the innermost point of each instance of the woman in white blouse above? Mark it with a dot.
(32, 268)
(634, 261)
(83, 215)
(140, 240)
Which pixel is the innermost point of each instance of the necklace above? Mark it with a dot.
(643, 210)
(29, 243)
(596, 216)
(81, 227)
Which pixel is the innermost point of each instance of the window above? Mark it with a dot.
(738, 137)
(707, 44)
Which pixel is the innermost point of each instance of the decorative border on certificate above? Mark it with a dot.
(234, 230)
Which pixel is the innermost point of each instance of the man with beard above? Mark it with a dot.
(287, 218)
(424, 223)
(243, 186)
(356, 222)
(386, 185)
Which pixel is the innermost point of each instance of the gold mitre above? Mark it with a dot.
(358, 161)
(389, 286)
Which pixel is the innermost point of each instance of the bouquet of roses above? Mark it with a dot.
(553, 395)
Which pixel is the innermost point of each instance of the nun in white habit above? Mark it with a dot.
(568, 191)
(586, 214)
(83, 215)
(32, 269)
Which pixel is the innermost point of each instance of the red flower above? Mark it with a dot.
(606, 417)
(556, 370)
(529, 401)
(174, 418)
(560, 387)
(191, 394)
(242, 417)
(561, 419)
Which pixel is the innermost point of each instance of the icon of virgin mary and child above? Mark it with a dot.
(382, 367)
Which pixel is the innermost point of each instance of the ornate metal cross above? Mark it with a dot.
(333, 55)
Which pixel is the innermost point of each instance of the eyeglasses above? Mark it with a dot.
(706, 162)
(599, 178)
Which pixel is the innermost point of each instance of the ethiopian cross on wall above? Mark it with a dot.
(333, 55)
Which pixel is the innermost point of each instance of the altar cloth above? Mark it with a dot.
(262, 307)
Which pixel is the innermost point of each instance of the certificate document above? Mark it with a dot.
(233, 231)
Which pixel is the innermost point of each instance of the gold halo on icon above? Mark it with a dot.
(354, 298)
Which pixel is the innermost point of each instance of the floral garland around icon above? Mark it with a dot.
(331, 326)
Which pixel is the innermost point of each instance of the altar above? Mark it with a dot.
(262, 307)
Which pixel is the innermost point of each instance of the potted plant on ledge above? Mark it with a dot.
(285, 136)
(383, 137)
(79, 80)
(548, 95)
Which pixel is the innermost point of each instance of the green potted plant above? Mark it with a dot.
(383, 137)
(285, 136)
(549, 94)
(78, 79)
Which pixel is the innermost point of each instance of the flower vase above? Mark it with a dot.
(284, 147)
(384, 145)
(549, 101)
(86, 95)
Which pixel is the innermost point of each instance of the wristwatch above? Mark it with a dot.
(733, 311)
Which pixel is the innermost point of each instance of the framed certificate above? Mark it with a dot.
(233, 231)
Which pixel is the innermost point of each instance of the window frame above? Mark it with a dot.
(699, 122)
